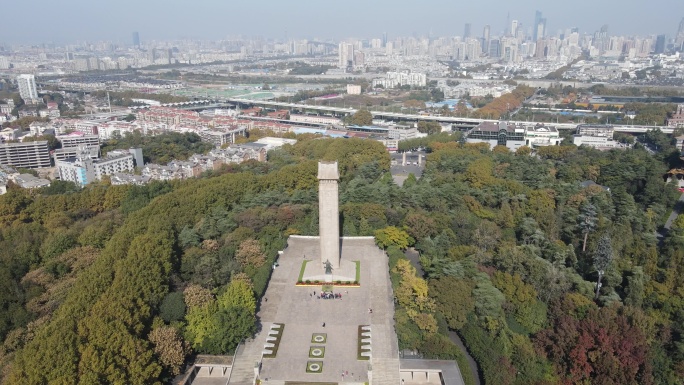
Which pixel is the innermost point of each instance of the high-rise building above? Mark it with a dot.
(136, 39)
(466, 31)
(495, 48)
(660, 44)
(514, 27)
(535, 26)
(384, 39)
(346, 55)
(679, 40)
(485, 38)
(27, 88)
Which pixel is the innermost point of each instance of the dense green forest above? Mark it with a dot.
(160, 149)
(123, 284)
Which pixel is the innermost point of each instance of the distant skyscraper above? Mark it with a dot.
(27, 88)
(535, 26)
(514, 27)
(495, 48)
(485, 38)
(384, 39)
(466, 31)
(679, 40)
(136, 39)
(660, 44)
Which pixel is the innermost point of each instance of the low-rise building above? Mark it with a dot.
(541, 135)
(77, 138)
(677, 119)
(29, 181)
(402, 132)
(353, 89)
(594, 135)
(219, 138)
(498, 134)
(83, 169)
(25, 154)
(9, 134)
(315, 119)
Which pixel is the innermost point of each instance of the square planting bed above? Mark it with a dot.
(317, 352)
(314, 366)
(319, 338)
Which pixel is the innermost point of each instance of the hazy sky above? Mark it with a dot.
(38, 21)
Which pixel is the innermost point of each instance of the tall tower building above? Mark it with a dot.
(466, 31)
(485, 38)
(329, 213)
(514, 28)
(535, 26)
(660, 44)
(679, 40)
(136, 39)
(27, 88)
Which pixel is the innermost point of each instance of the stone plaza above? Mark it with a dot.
(304, 338)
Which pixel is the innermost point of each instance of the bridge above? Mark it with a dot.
(440, 119)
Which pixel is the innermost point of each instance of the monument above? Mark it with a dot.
(329, 213)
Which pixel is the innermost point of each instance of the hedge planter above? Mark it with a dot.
(317, 352)
(314, 367)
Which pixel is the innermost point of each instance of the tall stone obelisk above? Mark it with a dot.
(328, 213)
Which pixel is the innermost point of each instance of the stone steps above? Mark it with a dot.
(385, 371)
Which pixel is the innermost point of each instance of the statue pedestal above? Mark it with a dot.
(314, 271)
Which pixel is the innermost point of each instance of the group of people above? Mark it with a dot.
(327, 295)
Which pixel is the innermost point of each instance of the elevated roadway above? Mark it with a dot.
(441, 119)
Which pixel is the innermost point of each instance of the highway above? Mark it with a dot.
(440, 119)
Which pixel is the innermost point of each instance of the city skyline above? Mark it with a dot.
(154, 20)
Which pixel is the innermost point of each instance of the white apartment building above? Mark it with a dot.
(4, 63)
(83, 169)
(593, 141)
(27, 88)
(398, 79)
(402, 133)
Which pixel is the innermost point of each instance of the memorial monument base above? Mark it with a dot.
(315, 271)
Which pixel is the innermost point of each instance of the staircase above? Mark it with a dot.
(385, 371)
(243, 363)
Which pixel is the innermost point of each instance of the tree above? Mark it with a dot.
(249, 253)
(588, 220)
(362, 118)
(603, 256)
(172, 307)
(429, 128)
(170, 347)
(454, 299)
(196, 296)
(392, 235)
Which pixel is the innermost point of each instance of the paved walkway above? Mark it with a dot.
(675, 212)
(304, 314)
